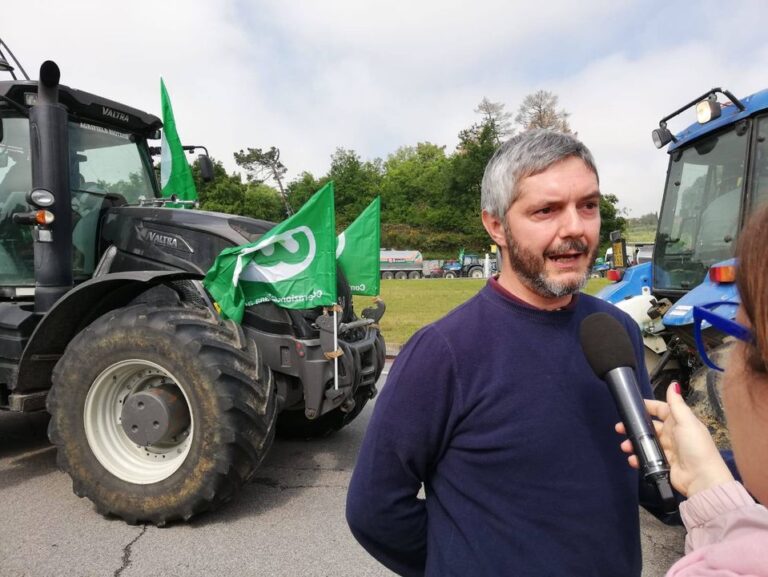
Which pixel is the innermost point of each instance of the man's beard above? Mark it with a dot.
(531, 269)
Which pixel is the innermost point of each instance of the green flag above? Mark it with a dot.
(357, 251)
(175, 174)
(292, 265)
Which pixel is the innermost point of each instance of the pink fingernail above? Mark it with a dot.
(677, 388)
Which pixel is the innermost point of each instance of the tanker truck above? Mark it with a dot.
(401, 264)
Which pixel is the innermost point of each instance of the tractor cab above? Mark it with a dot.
(107, 167)
(717, 176)
(65, 156)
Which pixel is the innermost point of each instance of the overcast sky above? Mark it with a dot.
(310, 76)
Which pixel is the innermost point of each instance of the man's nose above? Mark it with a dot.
(571, 223)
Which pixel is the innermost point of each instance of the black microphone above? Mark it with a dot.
(609, 352)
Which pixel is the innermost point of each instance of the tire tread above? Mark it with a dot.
(247, 404)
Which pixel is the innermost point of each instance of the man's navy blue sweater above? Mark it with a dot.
(495, 410)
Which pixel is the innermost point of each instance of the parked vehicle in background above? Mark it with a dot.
(633, 250)
(433, 269)
(451, 269)
(467, 266)
(401, 264)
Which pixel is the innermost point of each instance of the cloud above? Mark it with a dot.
(617, 101)
(372, 76)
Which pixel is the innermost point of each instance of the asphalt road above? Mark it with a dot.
(289, 522)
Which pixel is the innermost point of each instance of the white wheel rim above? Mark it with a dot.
(103, 429)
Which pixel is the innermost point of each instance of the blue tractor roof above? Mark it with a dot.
(730, 114)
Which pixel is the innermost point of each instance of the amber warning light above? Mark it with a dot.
(723, 273)
(40, 217)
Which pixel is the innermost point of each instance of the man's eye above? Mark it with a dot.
(591, 205)
(547, 210)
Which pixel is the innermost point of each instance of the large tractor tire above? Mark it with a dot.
(705, 396)
(293, 424)
(160, 412)
(476, 272)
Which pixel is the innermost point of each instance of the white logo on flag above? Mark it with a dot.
(340, 243)
(255, 272)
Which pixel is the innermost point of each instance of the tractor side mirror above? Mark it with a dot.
(206, 167)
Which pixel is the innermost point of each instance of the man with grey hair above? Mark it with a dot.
(493, 409)
(566, 237)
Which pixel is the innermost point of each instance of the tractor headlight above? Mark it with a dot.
(707, 110)
(41, 198)
(661, 136)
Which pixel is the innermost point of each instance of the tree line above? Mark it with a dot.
(430, 198)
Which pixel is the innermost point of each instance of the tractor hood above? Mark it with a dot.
(153, 238)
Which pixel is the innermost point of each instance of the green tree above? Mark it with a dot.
(460, 210)
(415, 181)
(539, 110)
(356, 183)
(610, 217)
(261, 165)
(302, 188)
(263, 202)
(414, 184)
(224, 196)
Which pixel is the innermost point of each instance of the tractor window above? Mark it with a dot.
(16, 249)
(107, 161)
(701, 209)
(760, 168)
(102, 161)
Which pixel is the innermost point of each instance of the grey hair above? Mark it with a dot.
(524, 155)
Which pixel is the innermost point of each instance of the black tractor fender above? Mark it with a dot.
(76, 310)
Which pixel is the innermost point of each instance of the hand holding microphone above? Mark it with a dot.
(610, 353)
(695, 462)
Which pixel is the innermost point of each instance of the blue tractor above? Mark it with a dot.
(717, 177)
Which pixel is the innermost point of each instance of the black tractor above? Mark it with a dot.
(160, 408)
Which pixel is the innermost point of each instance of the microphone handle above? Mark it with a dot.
(653, 463)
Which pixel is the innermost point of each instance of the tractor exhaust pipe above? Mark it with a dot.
(49, 139)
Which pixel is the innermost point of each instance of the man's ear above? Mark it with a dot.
(495, 228)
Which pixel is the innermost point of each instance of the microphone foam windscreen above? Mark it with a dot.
(606, 343)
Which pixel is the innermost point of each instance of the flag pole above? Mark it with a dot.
(335, 348)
